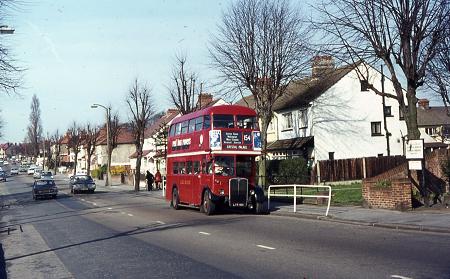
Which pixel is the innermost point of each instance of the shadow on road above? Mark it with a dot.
(154, 227)
(2, 263)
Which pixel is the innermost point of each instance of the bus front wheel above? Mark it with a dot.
(208, 205)
(175, 199)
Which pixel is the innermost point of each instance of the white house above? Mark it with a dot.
(330, 115)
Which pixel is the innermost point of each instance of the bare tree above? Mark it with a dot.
(141, 109)
(56, 149)
(1, 126)
(403, 35)
(35, 126)
(260, 48)
(75, 142)
(439, 72)
(114, 131)
(183, 88)
(10, 73)
(46, 147)
(90, 136)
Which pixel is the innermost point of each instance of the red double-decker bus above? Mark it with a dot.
(211, 159)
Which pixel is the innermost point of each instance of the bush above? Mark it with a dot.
(116, 170)
(446, 169)
(294, 170)
(96, 173)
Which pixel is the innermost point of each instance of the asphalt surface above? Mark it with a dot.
(124, 235)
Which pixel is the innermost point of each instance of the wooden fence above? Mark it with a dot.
(354, 168)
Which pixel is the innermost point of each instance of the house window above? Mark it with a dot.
(287, 123)
(387, 111)
(376, 128)
(431, 131)
(364, 85)
(303, 119)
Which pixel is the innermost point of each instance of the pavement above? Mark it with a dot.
(424, 219)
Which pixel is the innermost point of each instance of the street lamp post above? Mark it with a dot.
(108, 143)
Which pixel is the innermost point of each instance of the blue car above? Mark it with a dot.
(2, 175)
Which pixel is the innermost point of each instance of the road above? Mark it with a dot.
(112, 234)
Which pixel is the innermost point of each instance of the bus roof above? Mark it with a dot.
(221, 109)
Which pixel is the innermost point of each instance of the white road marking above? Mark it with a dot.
(160, 222)
(94, 203)
(123, 212)
(204, 233)
(131, 215)
(266, 247)
(83, 199)
(109, 208)
(400, 277)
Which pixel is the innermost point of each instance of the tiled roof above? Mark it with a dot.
(433, 116)
(144, 153)
(165, 119)
(125, 135)
(290, 144)
(301, 92)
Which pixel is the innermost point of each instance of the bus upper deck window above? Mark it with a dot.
(184, 127)
(206, 122)
(199, 123)
(223, 121)
(178, 129)
(172, 131)
(191, 125)
(246, 122)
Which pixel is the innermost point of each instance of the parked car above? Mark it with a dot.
(44, 188)
(37, 173)
(2, 175)
(14, 171)
(23, 168)
(31, 170)
(80, 183)
(47, 175)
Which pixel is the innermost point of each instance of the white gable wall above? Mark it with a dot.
(341, 120)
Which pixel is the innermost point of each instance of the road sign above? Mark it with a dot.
(415, 165)
(414, 149)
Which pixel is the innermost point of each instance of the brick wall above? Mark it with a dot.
(397, 195)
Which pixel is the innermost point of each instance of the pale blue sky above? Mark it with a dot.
(81, 52)
(84, 51)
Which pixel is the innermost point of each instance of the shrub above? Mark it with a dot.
(446, 169)
(96, 173)
(294, 170)
(116, 170)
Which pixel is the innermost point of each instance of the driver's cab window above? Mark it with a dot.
(224, 165)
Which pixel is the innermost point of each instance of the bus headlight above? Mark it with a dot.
(222, 192)
(252, 192)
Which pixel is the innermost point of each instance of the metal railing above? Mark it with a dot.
(295, 186)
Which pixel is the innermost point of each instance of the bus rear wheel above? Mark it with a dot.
(208, 206)
(175, 203)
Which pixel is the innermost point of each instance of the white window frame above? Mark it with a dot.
(287, 121)
(303, 118)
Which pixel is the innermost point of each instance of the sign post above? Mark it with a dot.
(414, 155)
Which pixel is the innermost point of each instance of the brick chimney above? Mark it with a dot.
(172, 110)
(322, 65)
(204, 99)
(424, 103)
